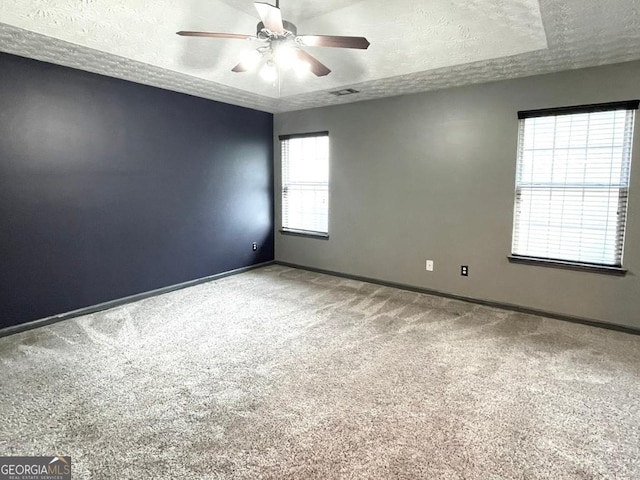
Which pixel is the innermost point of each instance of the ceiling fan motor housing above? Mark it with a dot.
(288, 27)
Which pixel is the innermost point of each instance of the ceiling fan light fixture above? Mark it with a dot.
(285, 56)
(269, 73)
(250, 60)
(301, 68)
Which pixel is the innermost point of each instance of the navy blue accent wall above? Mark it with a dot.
(109, 188)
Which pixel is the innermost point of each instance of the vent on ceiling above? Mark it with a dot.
(346, 91)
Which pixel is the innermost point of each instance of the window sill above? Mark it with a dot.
(584, 267)
(304, 233)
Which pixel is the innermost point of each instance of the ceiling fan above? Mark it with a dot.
(281, 45)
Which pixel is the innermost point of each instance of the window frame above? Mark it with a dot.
(293, 231)
(564, 263)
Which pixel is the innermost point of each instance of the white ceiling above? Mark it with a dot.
(415, 45)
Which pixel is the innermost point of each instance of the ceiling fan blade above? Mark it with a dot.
(270, 16)
(239, 68)
(334, 41)
(317, 68)
(214, 35)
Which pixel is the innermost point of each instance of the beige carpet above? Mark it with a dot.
(282, 373)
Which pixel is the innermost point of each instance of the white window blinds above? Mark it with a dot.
(572, 183)
(305, 182)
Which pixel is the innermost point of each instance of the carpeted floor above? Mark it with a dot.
(282, 373)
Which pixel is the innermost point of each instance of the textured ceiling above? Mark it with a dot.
(415, 46)
(418, 38)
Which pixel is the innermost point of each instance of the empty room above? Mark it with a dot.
(319, 239)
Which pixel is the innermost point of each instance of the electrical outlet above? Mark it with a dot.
(429, 266)
(464, 270)
(254, 246)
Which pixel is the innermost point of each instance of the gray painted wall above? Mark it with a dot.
(431, 176)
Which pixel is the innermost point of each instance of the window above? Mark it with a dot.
(572, 184)
(305, 183)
